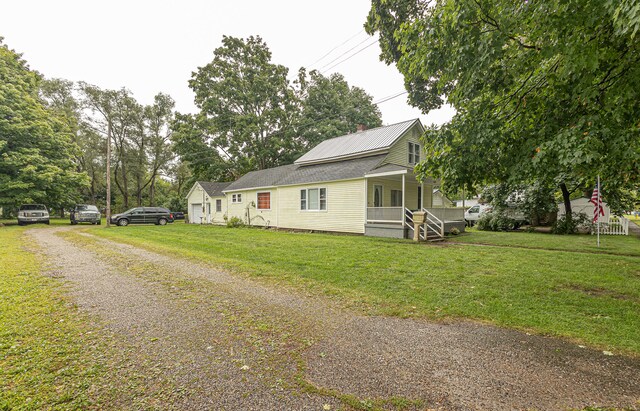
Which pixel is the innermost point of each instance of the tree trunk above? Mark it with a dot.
(61, 212)
(152, 192)
(567, 201)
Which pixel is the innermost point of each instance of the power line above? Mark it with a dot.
(348, 51)
(351, 56)
(336, 47)
(391, 97)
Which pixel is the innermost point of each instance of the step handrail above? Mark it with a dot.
(434, 223)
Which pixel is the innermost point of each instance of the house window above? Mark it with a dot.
(236, 198)
(313, 199)
(218, 206)
(264, 201)
(396, 198)
(414, 153)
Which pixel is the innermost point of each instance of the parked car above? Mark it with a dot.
(143, 215)
(32, 214)
(85, 213)
(178, 215)
(472, 215)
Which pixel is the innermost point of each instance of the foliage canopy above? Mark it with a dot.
(545, 91)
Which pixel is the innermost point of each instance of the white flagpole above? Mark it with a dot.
(598, 210)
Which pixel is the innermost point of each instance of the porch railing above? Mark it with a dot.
(384, 215)
(433, 223)
(447, 214)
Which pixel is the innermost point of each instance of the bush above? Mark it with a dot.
(235, 222)
(496, 221)
(578, 221)
(454, 231)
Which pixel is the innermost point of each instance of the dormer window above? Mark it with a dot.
(414, 153)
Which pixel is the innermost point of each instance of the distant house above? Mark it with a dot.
(584, 205)
(440, 200)
(358, 183)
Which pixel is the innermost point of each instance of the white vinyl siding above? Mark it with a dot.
(213, 216)
(344, 207)
(399, 152)
(250, 201)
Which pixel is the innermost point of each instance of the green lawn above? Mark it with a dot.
(612, 244)
(49, 359)
(591, 298)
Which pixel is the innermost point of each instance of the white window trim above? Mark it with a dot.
(263, 192)
(216, 208)
(411, 154)
(326, 200)
(234, 198)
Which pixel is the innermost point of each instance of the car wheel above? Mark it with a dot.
(162, 221)
(123, 222)
(74, 222)
(99, 222)
(20, 223)
(47, 222)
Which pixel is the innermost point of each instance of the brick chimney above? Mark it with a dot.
(361, 127)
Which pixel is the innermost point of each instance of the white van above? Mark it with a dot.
(472, 215)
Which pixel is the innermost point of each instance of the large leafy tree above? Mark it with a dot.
(545, 91)
(247, 106)
(37, 152)
(330, 108)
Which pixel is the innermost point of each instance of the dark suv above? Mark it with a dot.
(143, 215)
(84, 213)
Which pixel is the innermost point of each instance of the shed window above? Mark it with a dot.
(264, 201)
(236, 198)
(313, 199)
(414, 153)
(218, 206)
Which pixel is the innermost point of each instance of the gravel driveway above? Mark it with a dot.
(228, 342)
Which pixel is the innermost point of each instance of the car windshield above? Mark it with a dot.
(474, 209)
(33, 207)
(87, 208)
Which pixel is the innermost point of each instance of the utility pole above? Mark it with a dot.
(108, 212)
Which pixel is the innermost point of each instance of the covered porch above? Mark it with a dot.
(393, 195)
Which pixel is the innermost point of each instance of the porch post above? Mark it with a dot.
(403, 192)
(366, 200)
(422, 205)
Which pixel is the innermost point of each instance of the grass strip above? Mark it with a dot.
(50, 358)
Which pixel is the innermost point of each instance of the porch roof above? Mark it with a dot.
(389, 170)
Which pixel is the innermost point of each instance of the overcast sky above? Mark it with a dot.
(154, 46)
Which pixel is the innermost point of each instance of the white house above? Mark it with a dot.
(207, 203)
(583, 205)
(358, 183)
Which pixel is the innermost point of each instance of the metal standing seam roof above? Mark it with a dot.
(361, 142)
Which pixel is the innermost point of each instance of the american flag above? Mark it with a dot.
(596, 199)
